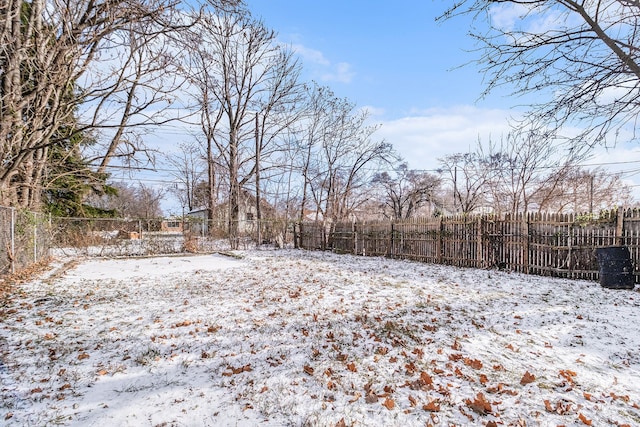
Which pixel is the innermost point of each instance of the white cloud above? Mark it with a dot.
(310, 56)
(322, 68)
(340, 73)
(426, 136)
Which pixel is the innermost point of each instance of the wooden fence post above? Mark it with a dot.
(527, 242)
(619, 227)
(391, 246)
(479, 245)
(440, 239)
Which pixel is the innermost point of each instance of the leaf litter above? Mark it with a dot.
(311, 338)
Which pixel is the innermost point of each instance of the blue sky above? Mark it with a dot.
(394, 59)
(409, 71)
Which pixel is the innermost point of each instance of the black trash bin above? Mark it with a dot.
(616, 268)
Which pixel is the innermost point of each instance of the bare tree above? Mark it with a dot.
(406, 190)
(339, 155)
(45, 49)
(132, 200)
(243, 80)
(582, 190)
(523, 167)
(581, 58)
(189, 166)
(102, 65)
(468, 175)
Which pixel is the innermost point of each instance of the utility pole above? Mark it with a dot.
(591, 194)
(258, 234)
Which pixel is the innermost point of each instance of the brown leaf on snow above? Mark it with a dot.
(352, 367)
(432, 406)
(483, 379)
(83, 356)
(584, 420)
(308, 370)
(412, 401)
(568, 375)
(371, 398)
(527, 378)
(586, 395)
(102, 372)
(389, 403)
(341, 423)
(236, 371)
(356, 396)
(479, 405)
(475, 364)
(547, 406)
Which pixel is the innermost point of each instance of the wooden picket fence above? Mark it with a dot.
(561, 245)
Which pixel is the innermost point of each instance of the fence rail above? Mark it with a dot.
(534, 243)
(560, 245)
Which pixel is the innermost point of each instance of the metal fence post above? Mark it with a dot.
(13, 241)
(35, 238)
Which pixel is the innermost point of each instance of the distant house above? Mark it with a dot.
(247, 214)
(171, 225)
(198, 221)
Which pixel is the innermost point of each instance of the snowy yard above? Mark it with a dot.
(309, 338)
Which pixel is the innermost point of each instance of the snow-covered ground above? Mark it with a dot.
(310, 338)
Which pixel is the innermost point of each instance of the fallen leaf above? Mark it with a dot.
(371, 398)
(527, 378)
(102, 372)
(584, 420)
(341, 423)
(432, 406)
(356, 397)
(412, 401)
(83, 356)
(473, 363)
(479, 405)
(308, 370)
(352, 367)
(389, 403)
(568, 375)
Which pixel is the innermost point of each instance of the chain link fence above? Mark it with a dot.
(27, 238)
(24, 239)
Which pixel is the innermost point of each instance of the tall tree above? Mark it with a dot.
(243, 79)
(580, 58)
(103, 62)
(468, 175)
(406, 190)
(338, 155)
(45, 48)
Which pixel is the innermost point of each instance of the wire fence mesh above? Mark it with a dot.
(24, 239)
